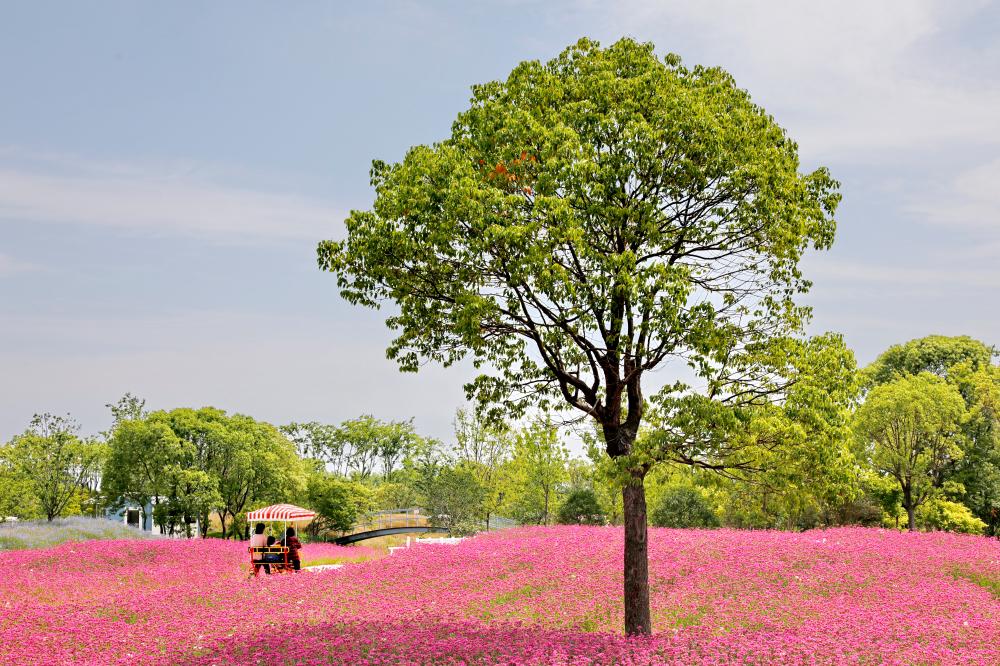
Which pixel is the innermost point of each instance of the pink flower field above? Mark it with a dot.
(527, 596)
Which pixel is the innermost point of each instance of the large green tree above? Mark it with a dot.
(589, 220)
(142, 452)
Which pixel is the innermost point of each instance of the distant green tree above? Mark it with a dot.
(535, 473)
(321, 442)
(486, 447)
(166, 457)
(250, 460)
(367, 443)
(339, 502)
(17, 492)
(606, 478)
(141, 452)
(453, 496)
(967, 364)
(580, 508)
(912, 429)
(128, 408)
(189, 493)
(979, 469)
(684, 506)
(936, 354)
(56, 461)
(400, 493)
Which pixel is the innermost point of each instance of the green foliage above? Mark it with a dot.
(797, 450)
(189, 493)
(936, 354)
(357, 447)
(17, 491)
(197, 461)
(400, 493)
(605, 477)
(911, 430)
(536, 471)
(486, 448)
(941, 514)
(979, 469)
(580, 508)
(965, 363)
(453, 496)
(683, 506)
(51, 463)
(553, 221)
(339, 503)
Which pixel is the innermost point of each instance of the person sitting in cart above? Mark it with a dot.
(294, 545)
(273, 558)
(261, 540)
(258, 539)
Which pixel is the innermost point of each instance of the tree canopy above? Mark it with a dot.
(936, 354)
(913, 430)
(591, 219)
(197, 461)
(56, 461)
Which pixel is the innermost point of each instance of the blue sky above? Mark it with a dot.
(166, 170)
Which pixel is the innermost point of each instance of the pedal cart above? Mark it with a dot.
(275, 557)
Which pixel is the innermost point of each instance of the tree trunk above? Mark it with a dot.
(637, 621)
(908, 505)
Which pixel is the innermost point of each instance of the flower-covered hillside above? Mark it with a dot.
(527, 596)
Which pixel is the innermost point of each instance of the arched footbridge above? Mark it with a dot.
(384, 523)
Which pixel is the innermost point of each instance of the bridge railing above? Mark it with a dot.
(380, 520)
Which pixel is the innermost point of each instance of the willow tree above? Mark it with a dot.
(590, 220)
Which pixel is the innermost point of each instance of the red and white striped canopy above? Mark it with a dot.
(280, 512)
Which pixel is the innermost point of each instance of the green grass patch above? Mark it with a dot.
(11, 543)
(521, 593)
(320, 561)
(982, 580)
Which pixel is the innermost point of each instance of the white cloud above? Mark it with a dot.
(850, 80)
(156, 201)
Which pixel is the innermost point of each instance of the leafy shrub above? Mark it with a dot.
(940, 514)
(581, 508)
(684, 506)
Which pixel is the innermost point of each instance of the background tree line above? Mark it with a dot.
(911, 441)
